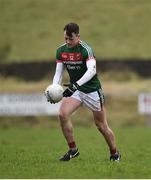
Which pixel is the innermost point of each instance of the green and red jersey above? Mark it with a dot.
(74, 59)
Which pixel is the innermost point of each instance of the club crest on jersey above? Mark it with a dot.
(71, 56)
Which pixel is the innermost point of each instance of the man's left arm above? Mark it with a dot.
(91, 71)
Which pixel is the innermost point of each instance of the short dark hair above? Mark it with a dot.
(71, 28)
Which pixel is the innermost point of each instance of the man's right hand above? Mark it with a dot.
(49, 99)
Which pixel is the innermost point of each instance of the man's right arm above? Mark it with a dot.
(57, 79)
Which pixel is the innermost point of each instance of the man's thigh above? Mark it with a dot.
(69, 105)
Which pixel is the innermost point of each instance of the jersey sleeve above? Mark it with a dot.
(58, 55)
(88, 53)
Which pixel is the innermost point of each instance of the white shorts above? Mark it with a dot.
(93, 100)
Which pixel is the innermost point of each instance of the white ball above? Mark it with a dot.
(55, 92)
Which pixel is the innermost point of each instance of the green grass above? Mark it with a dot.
(31, 30)
(34, 153)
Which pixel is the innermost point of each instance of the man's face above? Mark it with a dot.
(71, 40)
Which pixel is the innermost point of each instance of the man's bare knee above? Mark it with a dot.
(63, 115)
(101, 126)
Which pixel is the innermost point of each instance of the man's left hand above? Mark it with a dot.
(70, 90)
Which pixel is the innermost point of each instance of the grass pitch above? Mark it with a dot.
(34, 153)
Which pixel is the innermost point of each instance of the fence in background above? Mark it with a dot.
(26, 105)
(144, 103)
(144, 106)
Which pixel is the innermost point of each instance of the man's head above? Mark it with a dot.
(71, 34)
